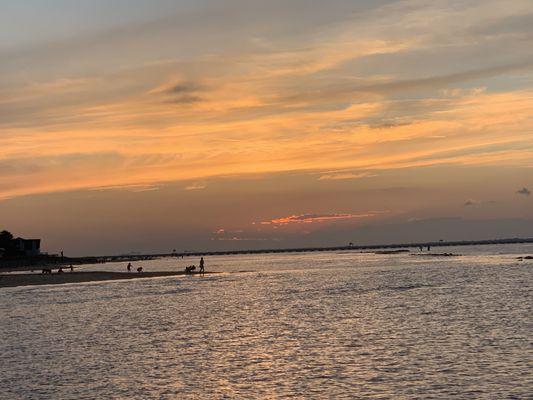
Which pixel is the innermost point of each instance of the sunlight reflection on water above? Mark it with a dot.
(321, 325)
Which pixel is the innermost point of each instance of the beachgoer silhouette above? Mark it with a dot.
(71, 268)
(202, 265)
(140, 269)
(129, 267)
(429, 248)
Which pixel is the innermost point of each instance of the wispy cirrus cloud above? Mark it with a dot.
(344, 175)
(265, 92)
(136, 188)
(318, 218)
(477, 203)
(242, 239)
(196, 186)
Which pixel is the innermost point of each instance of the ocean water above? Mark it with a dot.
(336, 325)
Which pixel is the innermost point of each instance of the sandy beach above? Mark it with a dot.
(13, 280)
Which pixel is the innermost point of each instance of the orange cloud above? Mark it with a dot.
(316, 218)
(344, 175)
(241, 239)
(264, 108)
(196, 186)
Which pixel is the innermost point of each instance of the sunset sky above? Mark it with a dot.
(152, 125)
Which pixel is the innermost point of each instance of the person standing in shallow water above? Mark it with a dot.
(202, 265)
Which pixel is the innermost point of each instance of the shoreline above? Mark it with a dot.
(18, 280)
(54, 262)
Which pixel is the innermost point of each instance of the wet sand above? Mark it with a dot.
(13, 280)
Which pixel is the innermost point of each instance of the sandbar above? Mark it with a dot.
(13, 280)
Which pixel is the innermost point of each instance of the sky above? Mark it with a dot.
(154, 125)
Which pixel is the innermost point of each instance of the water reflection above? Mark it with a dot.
(304, 326)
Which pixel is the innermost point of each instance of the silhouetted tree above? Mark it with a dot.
(6, 239)
(7, 243)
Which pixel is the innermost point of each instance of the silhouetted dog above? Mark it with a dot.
(190, 269)
(47, 271)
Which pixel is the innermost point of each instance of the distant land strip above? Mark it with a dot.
(44, 260)
(312, 249)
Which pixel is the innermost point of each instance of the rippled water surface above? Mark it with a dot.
(315, 325)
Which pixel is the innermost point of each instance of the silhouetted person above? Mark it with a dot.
(140, 269)
(429, 248)
(71, 268)
(421, 248)
(202, 265)
(129, 267)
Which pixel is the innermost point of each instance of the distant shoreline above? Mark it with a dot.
(16, 280)
(332, 248)
(34, 263)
